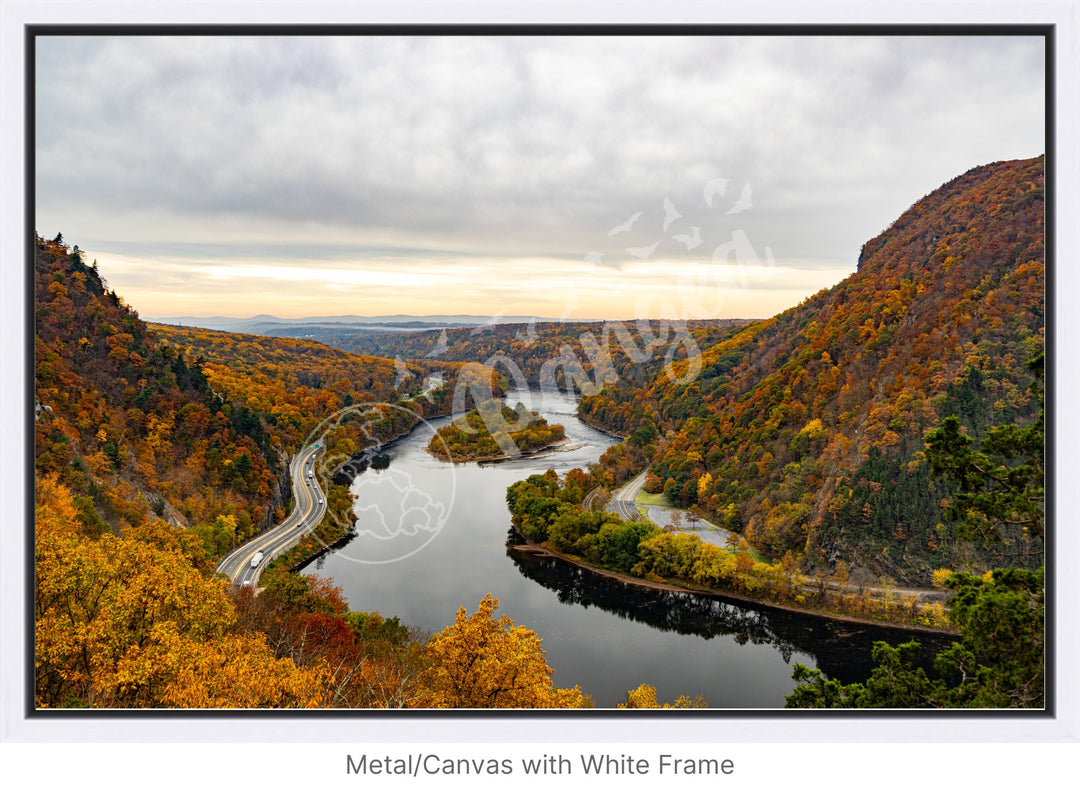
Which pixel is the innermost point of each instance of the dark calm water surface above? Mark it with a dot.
(433, 536)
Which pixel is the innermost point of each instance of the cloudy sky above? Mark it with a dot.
(564, 177)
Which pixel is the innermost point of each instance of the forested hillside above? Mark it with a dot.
(575, 353)
(296, 384)
(156, 451)
(129, 423)
(805, 431)
(183, 423)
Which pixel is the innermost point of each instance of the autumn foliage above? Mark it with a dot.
(810, 425)
(493, 431)
(486, 662)
(293, 384)
(128, 422)
(547, 510)
(158, 448)
(645, 697)
(121, 622)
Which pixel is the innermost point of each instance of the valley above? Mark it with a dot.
(876, 453)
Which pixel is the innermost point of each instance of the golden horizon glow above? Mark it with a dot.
(530, 287)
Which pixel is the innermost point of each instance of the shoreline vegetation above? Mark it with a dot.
(547, 513)
(494, 432)
(535, 549)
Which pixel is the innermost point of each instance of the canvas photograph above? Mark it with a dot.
(386, 371)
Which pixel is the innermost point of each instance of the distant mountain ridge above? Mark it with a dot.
(270, 324)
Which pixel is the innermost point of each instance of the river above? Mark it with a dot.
(433, 536)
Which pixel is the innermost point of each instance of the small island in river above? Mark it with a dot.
(494, 431)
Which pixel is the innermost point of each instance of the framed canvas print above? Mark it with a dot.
(492, 379)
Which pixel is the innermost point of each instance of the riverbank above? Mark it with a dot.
(304, 552)
(327, 537)
(619, 435)
(527, 546)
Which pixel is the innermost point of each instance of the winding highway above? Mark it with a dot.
(622, 500)
(245, 565)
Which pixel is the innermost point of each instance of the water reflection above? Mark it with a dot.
(375, 458)
(605, 636)
(841, 650)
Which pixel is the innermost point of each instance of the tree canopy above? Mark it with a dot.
(1000, 491)
(1000, 660)
(486, 662)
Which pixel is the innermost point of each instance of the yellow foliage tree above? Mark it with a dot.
(645, 697)
(231, 672)
(121, 622)
(484, 662)
(938, 577)
(703, 485)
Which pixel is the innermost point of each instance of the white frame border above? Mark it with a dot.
(15, 15)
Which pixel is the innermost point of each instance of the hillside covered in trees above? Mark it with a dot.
(582, 355)
(806, 431)
(157, 450)
(299, 386)
(188, 424)
(129, 423)
(293, 384)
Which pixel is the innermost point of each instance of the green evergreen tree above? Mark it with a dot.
(1001, 488)
(1000, 660)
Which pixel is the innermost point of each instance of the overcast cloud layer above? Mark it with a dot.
(483, 175)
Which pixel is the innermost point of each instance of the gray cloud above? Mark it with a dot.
(515, 147)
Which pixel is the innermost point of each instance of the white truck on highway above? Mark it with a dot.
(256, 560)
